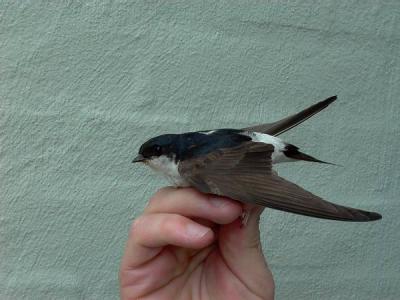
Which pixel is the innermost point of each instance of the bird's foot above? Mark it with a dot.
(244, 217)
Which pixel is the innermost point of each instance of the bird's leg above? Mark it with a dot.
(245, 216)
(249, 211)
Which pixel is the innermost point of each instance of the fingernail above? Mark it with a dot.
(217, 202)
(195, 230)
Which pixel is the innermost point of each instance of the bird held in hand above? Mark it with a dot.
(237, 163)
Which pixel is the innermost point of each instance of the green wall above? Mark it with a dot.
(84, 83)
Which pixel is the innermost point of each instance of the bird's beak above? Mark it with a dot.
(139, 158)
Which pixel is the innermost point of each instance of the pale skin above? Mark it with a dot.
(189, 245)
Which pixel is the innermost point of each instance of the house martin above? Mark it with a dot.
(237, 163)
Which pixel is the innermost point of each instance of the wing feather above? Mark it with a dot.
(244, 173)
(288, 123)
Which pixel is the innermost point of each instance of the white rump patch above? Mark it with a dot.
(279, 146)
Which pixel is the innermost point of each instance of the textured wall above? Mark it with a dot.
(84, 83)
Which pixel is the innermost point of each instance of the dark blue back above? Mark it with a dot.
(193, 144)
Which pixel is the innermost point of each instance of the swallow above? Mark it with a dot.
(238, 164)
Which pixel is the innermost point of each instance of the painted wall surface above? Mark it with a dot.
(84, 83)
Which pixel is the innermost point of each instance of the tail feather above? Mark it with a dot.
(288, 123)
(292, 151)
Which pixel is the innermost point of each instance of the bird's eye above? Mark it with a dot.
(158, 149)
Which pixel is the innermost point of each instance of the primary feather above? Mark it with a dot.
(281, 126)
(244, 173)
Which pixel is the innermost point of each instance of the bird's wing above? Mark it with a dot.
(288, 123)
(244, 173)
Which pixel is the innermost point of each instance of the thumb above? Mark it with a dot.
(241, 248)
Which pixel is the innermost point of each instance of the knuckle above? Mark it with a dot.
(158, 197)
(180, 223)
(172, 224)
(152, 202)
(191, 191)
(162, 192)
(164, 223)
(136, 228)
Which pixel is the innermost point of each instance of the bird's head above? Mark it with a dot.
(161, 146)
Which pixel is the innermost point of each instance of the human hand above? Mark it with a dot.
(188, 245)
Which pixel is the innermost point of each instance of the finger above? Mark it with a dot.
(241, 248)
(152, 275)
(191, 203)
(151, 232)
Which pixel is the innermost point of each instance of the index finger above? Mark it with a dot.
(150, 233)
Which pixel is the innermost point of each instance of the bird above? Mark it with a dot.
(238, 164)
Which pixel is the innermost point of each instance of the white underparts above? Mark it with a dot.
(167, 167)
